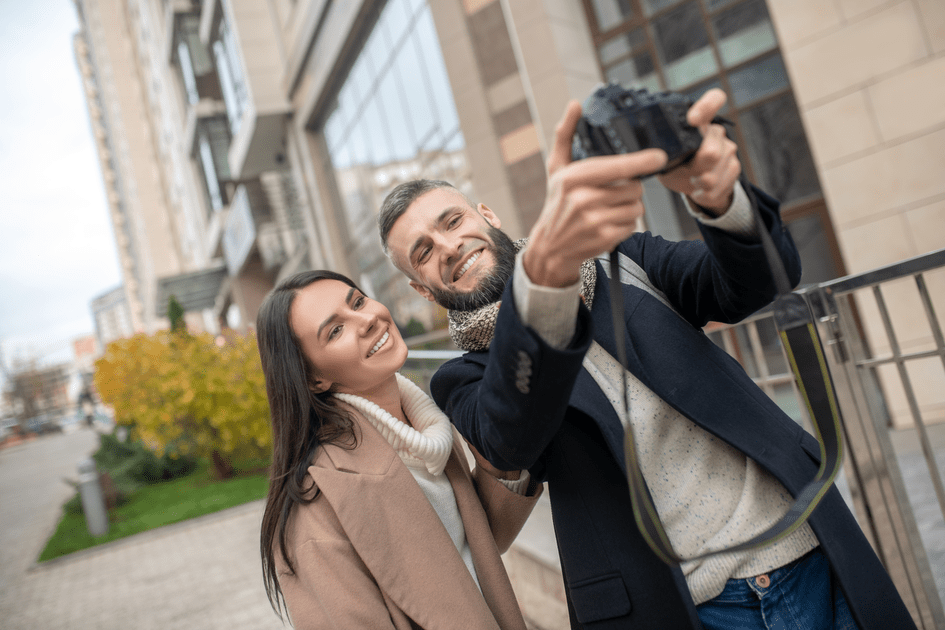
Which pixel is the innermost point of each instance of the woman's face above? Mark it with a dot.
(351, 340)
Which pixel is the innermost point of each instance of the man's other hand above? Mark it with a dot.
(708, 179)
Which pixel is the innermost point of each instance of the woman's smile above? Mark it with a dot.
(380, 342)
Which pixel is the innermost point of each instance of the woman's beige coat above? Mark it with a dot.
(370, 552)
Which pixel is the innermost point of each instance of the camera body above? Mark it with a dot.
(619, 120)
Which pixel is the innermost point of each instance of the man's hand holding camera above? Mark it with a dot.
(708, 179)
(593, 204)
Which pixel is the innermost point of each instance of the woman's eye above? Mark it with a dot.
(334, 332)
(359, 302)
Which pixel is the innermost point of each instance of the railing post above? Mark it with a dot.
(880, 497)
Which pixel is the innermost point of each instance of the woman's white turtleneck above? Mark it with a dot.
(424, 449)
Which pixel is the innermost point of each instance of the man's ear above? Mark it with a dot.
(422, 290)
(489, 215)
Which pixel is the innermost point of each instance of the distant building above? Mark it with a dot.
(85, 349)
(147, 242)
(112, 317)
(34, 390)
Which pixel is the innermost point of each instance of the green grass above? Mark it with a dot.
(160, 504)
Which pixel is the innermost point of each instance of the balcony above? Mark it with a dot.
(243, 41)
(257, 221)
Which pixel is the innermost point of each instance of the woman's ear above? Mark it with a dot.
(319, 386)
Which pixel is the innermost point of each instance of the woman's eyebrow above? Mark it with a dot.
(331, 317)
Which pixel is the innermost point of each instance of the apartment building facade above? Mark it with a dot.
(261, 137)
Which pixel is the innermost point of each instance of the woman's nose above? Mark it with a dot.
(368, 320)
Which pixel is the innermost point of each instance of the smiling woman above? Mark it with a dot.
(373, 518)
(352, 342)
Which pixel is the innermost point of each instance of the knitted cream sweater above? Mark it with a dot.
(424, 448)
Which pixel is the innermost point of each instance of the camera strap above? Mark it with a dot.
(798, 333)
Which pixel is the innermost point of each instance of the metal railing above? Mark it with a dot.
(854, 318)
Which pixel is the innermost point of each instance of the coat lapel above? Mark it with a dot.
(397, 534)
(493, 578)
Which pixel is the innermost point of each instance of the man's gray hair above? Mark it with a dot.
(399, 199)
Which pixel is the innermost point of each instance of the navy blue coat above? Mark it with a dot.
(524, 404)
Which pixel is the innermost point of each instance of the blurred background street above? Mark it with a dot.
(165, 163)
(202, 573)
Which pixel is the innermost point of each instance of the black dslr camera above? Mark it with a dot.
(618, 120)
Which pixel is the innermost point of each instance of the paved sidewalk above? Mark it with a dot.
(205, 573)
(200, 574)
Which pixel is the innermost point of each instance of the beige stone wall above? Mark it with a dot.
(134, 153)
(869, 78)
(557, 57)
(475, 102)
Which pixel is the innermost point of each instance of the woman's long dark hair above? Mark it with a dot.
(301, 421)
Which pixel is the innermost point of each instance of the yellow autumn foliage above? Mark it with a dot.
(195, 393)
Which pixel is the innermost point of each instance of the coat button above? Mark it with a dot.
(763, 581)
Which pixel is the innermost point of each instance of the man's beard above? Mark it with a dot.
(491, 286)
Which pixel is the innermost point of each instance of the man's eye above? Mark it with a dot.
(454, 221)
(424, 254)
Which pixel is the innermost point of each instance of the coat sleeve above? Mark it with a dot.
(722, 278)
(509, 402)
(507, 511)
(332, 588)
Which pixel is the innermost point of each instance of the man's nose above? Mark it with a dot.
(450, 247)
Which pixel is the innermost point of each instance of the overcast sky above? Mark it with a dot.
(57, 248)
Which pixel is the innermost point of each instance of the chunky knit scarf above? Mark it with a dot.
(430, 439)
(473, 330)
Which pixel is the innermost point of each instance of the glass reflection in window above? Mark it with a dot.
(758, 80)
(611, 13)
(683, 44)
(812, 242)
(230, 71)
(778, 149)
(712, 5)
(635, 72)
(622, 45)
(652, 6)
(394, 120)
(743, 31)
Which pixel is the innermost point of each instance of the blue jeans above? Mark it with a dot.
(801, 595)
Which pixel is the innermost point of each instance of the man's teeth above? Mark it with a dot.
(469, 263)
(379, 343)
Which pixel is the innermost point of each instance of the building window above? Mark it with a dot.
(393, 120)
(193, 62)
(690, 46)
(212, 143)
(230, 73)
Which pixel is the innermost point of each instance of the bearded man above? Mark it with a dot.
(540, 389)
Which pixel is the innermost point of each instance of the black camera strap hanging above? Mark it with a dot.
(798, 333)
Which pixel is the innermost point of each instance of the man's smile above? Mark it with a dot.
(469, 263)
